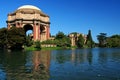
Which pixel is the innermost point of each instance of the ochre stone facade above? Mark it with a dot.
(74, 38)
(31, 18)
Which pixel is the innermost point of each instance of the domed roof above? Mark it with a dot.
(28, 7)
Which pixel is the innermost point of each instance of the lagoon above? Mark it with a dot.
(76, 64)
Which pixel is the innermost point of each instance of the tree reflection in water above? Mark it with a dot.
(26, 65)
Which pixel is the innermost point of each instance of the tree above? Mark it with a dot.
(38, 45)
(89, 41)
(102, 39)
(113, 41)
(3, 37)
(80, 42)
(62, 40)
(60, 35)
(29, 41)
(16, 38)
(115, 36)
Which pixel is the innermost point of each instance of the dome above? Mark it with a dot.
(29, 7)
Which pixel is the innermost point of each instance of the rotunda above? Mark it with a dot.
(32, 18)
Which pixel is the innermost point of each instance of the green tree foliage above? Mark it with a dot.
(80, 42)
(102, 39)
(3, 39)
(15, 37)
(60, 35)
(38, 44)
(89, 42)
(29, 41)
(115, 36)
(49, 42)
(113, 41)
(62, 40)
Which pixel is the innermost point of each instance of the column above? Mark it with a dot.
(8, 25)
(16, 24)
(47, 32)
(38, 32)
(34, 32)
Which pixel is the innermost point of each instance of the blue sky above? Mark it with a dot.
(73, 15)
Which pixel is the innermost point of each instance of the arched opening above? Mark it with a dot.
(42, 33)
(28, 30)
(42, 29)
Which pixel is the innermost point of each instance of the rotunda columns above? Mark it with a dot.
(36, 32)
(47, 32)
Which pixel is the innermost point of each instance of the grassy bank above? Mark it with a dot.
(32, 48)
(51, 48)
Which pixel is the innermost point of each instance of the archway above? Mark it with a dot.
(28, 30)
(42, 32)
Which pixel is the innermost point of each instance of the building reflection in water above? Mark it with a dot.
(41, 59)
(26, 66)
(73, 56)
(40, 67)
(81, 56)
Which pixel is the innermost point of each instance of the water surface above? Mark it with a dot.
(78, 64)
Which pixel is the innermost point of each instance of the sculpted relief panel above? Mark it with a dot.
(27, 16)
(37, 16)
(12, 17)
(46, 19)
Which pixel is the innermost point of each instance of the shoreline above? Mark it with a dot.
(47, 48)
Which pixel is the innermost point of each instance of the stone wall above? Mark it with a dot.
(48, 45)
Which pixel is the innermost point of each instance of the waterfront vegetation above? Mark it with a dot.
(32, 48)
(16, 38)
(110, 42)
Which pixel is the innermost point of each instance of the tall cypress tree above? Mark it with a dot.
(89, 41)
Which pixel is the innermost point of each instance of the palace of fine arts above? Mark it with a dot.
(60, 40)
(29, 17)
